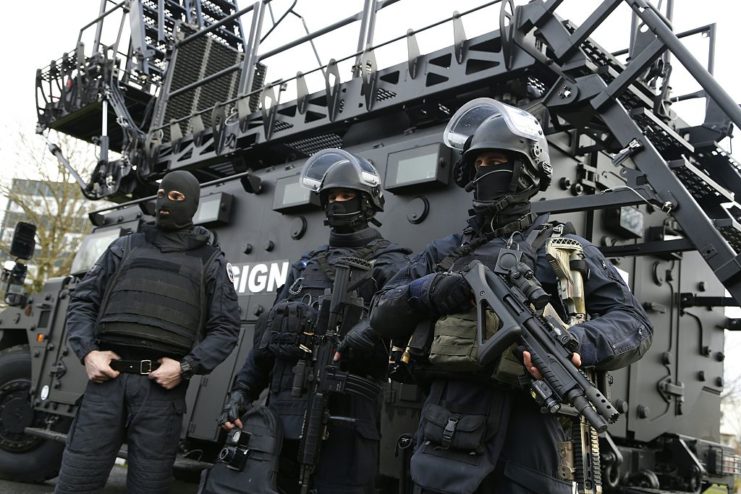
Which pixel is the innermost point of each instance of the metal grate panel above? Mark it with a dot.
(702, 187)
(195, 61)
(315, 144)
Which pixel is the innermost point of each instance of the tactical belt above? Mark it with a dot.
(135, 366)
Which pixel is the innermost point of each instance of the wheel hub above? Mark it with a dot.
(16, 414)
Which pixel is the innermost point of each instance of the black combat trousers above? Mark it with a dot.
(131, 408)
(530, 459)
(348, 463)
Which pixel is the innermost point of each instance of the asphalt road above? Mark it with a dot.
(116, 485)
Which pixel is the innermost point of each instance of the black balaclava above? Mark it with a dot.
(179, 213)
(491, 185)
(347, 216)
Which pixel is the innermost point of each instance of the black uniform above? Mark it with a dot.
(349, 457)
(477, 433)
(172, 298)
(519, 446)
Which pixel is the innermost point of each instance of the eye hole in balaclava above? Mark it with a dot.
(177, 200)
(344, 211)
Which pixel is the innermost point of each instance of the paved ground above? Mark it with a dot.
(116, 485)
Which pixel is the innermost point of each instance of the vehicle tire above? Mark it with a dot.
(23, 458)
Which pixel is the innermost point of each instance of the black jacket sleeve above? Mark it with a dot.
(82, 313)
(392, 314)
(254, 376)
(388, 263)
(619, 331)
(222, 320)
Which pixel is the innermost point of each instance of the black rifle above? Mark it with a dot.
(515, 295)
(338, 312)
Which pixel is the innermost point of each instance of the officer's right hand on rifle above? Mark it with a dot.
(441, 293)
(234, 408)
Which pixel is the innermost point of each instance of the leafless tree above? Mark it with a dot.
(59, 211)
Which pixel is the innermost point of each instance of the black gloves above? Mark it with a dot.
(441, 293)
(360, 339)
(235, 406)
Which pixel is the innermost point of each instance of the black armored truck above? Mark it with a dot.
(212, 88)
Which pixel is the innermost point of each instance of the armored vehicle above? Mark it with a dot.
(201, 85)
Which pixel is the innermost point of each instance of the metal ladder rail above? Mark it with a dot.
(592, 93)
(715, 165)
(669, 189)
(625, 85)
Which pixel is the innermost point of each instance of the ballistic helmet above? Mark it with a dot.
(335, 169)
(485, 124)
(338, 169)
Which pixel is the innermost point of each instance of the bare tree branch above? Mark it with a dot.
(58, 209)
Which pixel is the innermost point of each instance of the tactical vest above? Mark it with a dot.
(454, 349)
(464, 419)
(156, 297)
(317, 275)
(318, 271)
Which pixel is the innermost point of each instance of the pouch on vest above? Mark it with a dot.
(262, 451)
(454, 431)
(454, 347)
(289, 329)
(454, 456)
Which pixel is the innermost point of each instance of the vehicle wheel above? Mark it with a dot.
(23, 458)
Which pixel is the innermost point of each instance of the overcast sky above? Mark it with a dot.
(36, 32)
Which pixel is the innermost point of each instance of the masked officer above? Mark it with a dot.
(478, 431)
(350, 193)
(155, 309)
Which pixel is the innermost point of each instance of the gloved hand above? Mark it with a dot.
(442, 293)
(235, 406)
(361, 339)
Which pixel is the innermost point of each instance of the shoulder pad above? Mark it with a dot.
(314, 252)
(393, 247)
(119, 246)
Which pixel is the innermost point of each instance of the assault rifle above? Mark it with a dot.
(338, 312)
(516, 296)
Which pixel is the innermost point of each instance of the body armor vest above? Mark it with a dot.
(157, 298)
(472, 407)
(317, 275)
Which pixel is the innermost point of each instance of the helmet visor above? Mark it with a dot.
(316, 168)
(467, 119)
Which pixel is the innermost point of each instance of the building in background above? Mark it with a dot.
(47, 200)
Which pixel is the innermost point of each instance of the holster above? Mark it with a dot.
(260, 471)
